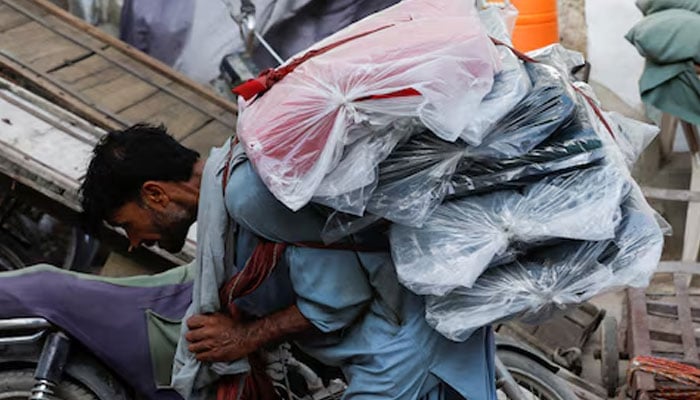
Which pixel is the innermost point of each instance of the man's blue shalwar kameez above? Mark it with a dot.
(373, 328)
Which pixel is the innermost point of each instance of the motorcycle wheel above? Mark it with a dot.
(535, 381)
(18, 384)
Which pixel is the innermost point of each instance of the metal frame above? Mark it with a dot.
(23, 324)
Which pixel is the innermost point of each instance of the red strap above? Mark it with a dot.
(596, 110)
(398, 93)
(515, 51)
(257, 269)
(271, 76)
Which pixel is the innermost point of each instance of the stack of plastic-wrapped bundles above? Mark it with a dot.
(507, 189)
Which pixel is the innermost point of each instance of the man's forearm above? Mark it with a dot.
(218, 337)
(277, 326)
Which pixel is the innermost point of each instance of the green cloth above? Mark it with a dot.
(670, 41)
(163, 335)
(672, 88)
(668, 36)
(652, 6)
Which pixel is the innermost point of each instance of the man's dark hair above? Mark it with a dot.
(122, 161)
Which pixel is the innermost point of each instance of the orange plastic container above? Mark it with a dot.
(536, 25)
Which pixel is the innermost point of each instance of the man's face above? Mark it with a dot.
(167, 227)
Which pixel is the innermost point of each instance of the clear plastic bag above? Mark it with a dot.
(417, 59)
(462, 237)
(414, 179)
(631, 136)
(574, 146)
(510, 86)
(551, 278)
(560, 58)
(547, 107)
(348, 187)
(417, 175)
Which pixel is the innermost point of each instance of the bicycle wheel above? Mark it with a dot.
(535, 381)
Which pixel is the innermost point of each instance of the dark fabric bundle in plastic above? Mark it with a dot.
(573, 146)
(546, 108)
(416, 176)
(551, 278)
(463, 237)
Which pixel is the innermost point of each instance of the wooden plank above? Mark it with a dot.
(685, 318)
(213, 134)
(120, 93)
(129, 64)
(679, 266)
(30, 6)
(691, 136)
(691, 239)
(154, 64)
(39, 47)
(639, 340)
(87, 73)
(10, 19)
(163, 82)
(52, 112)
(667, 310)
(177, 116)
(667, 136)
(34, 11)
(670, 194)
(43, 85)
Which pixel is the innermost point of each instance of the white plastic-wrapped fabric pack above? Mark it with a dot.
(426, 59)
(573, 146)
(552, 278)
(349, 186)
(544, 109)
(551, 275)
(462, 237)
(416, 177)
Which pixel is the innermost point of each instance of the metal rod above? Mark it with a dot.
(23, 323)
(269, 48)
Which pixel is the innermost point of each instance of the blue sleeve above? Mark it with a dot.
(252, 206)
(332, 289)
(331, 286)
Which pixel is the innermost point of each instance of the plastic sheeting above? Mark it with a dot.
(417, 176)
(533, 288)
(296, 131)
(574, 146)
(530, 282)
(462, 237)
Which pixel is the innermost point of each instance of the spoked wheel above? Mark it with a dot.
(535, 381)
(18, 384)
(10, 259)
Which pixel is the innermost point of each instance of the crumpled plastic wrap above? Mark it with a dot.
(462, 237)
(348, 187)
(510, 86)
(417, 175)
(559, 57)
(532, 288)
(574, 146)
(631, 136)
(542, 111)
(416, 59)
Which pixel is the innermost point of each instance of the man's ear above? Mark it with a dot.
(154, 195)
